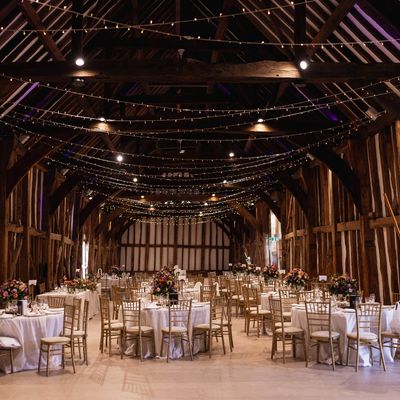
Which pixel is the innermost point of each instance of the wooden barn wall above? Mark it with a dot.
(336, 236)
(194, 246)
(36, 243)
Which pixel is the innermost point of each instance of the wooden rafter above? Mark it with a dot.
(255, 72)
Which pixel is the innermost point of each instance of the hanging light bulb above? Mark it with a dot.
(135, 179)
(231, 154)
(120, 158)
(303, 64)
(79, 61)
(102, 119)
(260, 120)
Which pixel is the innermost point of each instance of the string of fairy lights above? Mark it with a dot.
(305, 105)
(119, 172)
(103, 24)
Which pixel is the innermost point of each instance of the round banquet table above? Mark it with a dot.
(28, 331)
(344, 321)
(157, 318)
(90, 295)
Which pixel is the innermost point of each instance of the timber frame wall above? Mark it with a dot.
(332, 212)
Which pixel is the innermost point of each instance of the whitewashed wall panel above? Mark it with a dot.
(194, 247)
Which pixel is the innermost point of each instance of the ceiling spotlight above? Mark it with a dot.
(225, 181)
(90, 197)
(206, 204)
(213, 195)
(231, 154)
(142, 197)
(79, 62)
(102, 119)
(135, 179)
(303, 64)
(120, 158)
(260, 120)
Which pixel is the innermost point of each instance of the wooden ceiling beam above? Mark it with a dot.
(272, 204)
(46, 38)
(256, 72)
(248, 216)
(330, 25)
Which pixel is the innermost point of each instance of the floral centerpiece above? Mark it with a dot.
(343, 285)
(80, 283)
(115, 270)
(246, 269)
(296, 278)
(13, 290)
(270, 272)
(164, 282)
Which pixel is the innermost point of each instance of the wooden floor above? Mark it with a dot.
(247, 373)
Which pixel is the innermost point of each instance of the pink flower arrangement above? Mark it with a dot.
(296, 278)
(13, 290)
(164, 282)
(270, 272)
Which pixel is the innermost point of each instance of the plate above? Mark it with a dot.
(348, 310)
(33, 315)
(199, 304)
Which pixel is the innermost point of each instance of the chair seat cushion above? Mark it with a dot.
(135, 329)
(115, 326)
(206, 327)
(79, 333)
(324, 335)
(174, 329)
(392, 335)
(364, 336)
(55, 340)
(7, 342)
(260, 312)
(287, 314)
(290, 330)
(285, 324)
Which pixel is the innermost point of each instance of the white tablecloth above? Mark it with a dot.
(158, 318)
(91, 296)
(29, 331)
(344, 322)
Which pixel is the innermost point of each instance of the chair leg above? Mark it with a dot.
(48, 360)
(11, 360)
(209, 342)
(347, 352)
(284, 348)
(85, 350)
(223, 341)
(357, 355)
(141, 346)
(303, 340)
(169, 345)
(332, 353)
(40, 357)
(273, 347)
(72, 357)
(190, 346)
(382, 355)
(162, 344)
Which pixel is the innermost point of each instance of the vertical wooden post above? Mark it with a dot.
(6, 147)
(27, 272)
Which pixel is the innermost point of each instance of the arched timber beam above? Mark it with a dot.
(248, 216)
(32, 157)
(93, 204)
(272, 204)
(297, 192)
(107, 219)
(62, 191)
(343, 172)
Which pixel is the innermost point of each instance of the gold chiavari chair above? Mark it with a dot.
(288, 297)
(110, 329)
(368, 332)
(319, 326)
(283, 332)
(179, 322)
(55, 301)
(7, 346)
(118, 294)
(208, 293)
(133, 328)
(253, 311)
(214, 328)
(80, 335)
(51, 345)
(135, 293)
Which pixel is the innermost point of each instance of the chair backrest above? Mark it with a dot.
(105, 310)
(368, 318)
(55, 301)
(275, 306)
(77, 302)
(306, 295)
(69, 320)
(136, 293)
(250, 297)
(179, 313)
(288, 297)
(131, 312)
(319, 316)
(208, 293)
